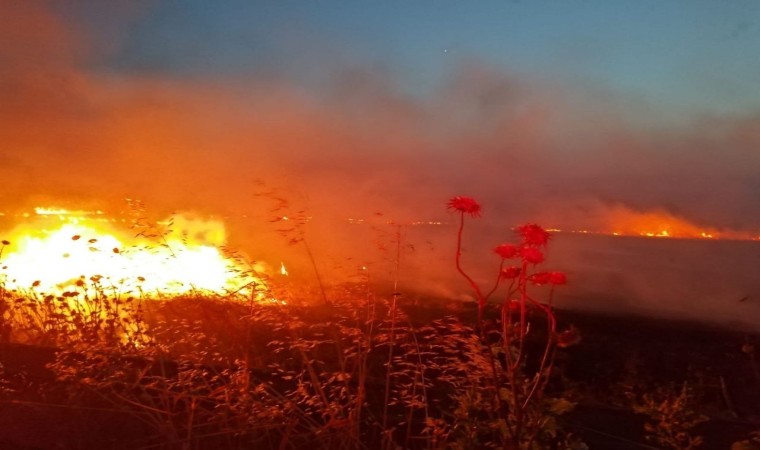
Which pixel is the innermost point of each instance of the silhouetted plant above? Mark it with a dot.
(500, 380)
(672, 415)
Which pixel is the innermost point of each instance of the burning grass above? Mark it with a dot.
(180, 255)
(355, 369)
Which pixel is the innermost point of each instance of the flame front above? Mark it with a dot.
(54, 258)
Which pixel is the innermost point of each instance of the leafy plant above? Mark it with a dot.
(672, 416)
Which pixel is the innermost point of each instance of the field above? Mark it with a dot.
(212, 379)
(358, 365)
(389, 225)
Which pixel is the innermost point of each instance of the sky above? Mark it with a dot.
(569, 113)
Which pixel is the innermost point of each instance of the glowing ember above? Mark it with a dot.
(283, 270)
(52, 258)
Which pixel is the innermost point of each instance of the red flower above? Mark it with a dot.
(464, 205)
(569, 337)
(532, 255)
(533, 234)
(509, 273)
(507, 251)
(557, 278)
(540, 278)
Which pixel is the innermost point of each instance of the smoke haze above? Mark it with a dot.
(529, 149)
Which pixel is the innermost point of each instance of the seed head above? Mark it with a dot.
(465, 205)
(540, 278)
(533, 234)
(557, 278)
(507, 251)
(532, 255)
(509, 273)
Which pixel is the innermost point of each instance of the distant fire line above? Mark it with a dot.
(662, 233)
(732, 236)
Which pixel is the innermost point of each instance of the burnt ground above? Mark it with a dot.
(624, 356)
(618, 357)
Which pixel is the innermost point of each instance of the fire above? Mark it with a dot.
(663, 224)
(622, 221)
(60, 212)
(182, 257)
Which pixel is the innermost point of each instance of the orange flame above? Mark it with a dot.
(54, 257)
(622, 221)
(657, 224)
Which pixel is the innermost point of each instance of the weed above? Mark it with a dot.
(501, 374)
(672, 415)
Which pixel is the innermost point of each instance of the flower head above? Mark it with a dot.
(557, 278)
(533, 234)
(532, 255)
(507, 251)
(509, 273)
(540, 278)
(465, 205)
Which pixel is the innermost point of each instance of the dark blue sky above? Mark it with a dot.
(679, 57)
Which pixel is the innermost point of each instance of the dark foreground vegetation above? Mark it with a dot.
(221, 374)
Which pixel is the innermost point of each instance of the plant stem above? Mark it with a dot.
(316, 271)
(392, 342)
(478, 294)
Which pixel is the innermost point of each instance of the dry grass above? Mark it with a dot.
(349, 370)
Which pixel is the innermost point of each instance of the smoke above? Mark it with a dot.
(530, 148)
(566, 156)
